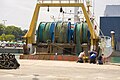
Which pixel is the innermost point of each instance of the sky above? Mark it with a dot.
(20, 12)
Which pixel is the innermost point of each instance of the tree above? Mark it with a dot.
(10, 37)
(4, 37)
(11, 30)
(17, 32)
(2, 29)
(24, 32)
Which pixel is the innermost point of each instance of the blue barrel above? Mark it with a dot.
(52, 28)
(69, 32)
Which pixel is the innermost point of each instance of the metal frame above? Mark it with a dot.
(30, 35)
(59, 1)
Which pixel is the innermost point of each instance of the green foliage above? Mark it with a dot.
(2, 28)
(9, 37)
(4, 37)
(11, 32)
(1, 38)
(17, 32)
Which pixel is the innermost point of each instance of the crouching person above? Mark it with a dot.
(93, 56)
(81, 57)
(101, 59)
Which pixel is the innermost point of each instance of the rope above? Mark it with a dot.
(40, 32)
(78, 36)
(93, 7)
(97, 26)
(63, 33)
(46, 35)
(57, 28)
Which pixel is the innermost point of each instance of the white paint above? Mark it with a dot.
(30, 48)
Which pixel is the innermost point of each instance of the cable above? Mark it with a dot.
(93, 7)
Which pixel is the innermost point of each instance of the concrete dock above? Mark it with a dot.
(60, 70)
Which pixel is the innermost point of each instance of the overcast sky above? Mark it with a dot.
(19, 12)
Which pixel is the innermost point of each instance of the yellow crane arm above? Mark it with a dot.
(30, 35)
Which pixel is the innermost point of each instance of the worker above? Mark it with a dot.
(101, 59)
(80, 57)
(93, 55)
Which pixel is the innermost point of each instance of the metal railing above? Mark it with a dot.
(60, 1)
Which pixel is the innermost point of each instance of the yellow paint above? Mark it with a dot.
(30, 35)
(113, 40)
